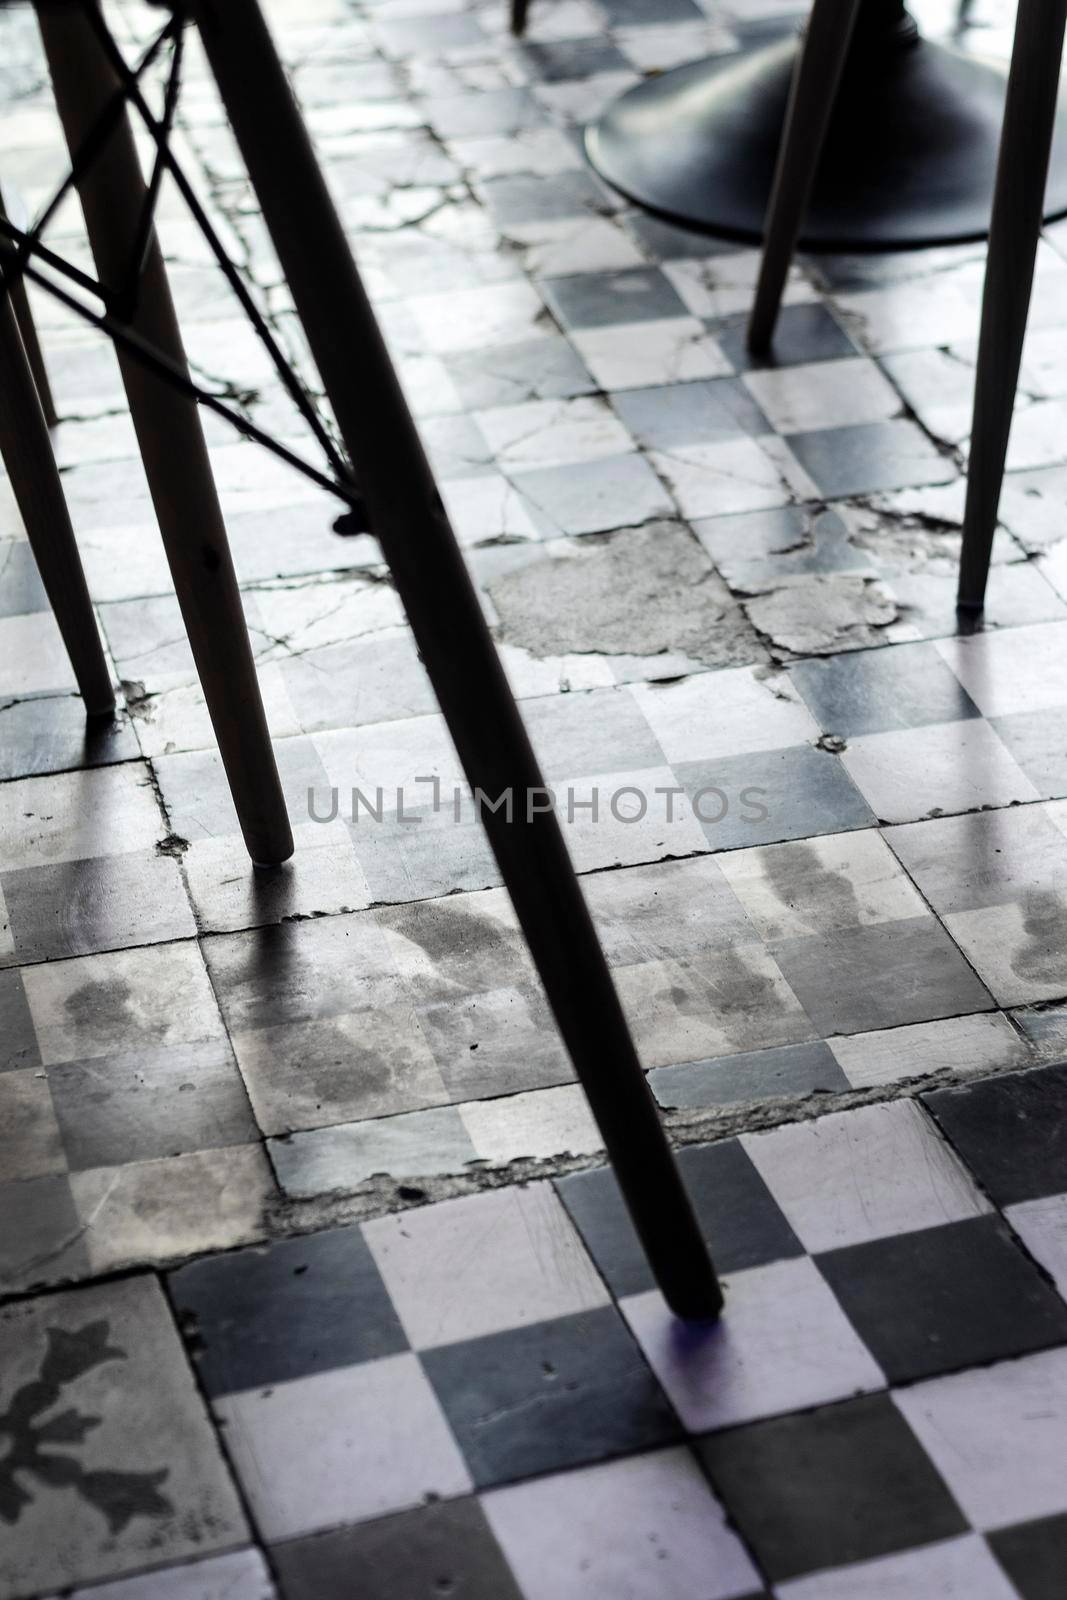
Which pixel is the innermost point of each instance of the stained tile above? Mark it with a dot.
(870, 1173)
(997, 1436)
(1011, 1131)
(743, 1226)
(542, 1123)
(989, 859)
(104, 1004)
(955, 1296)
(670, 1539)
(340, 1446)
(550, 1396)
(446, 1545)
(845, 1483)
(149, 1104)
(819, 886)
(483, 1264)
(753, 1363)
(867, 978)
(729, 1001)
(285, 1310)
(668, 910)
(71, 908)
(160, 1211)
(152, 1487)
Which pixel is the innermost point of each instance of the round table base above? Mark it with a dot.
(909, 158)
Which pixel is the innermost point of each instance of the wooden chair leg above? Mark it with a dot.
(811, 102)
(1018, 204)
(519, 12)
(27, 328)
(31, 466)
(409, 519)
(170, 436)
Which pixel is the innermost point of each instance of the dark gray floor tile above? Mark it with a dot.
(870, 456)
(156, 1103)
(791, 1070)
(548, 1397)
(600, 299)
(18, 1039)
(690, 413)
(1011, 1131)
(872, 691)
(1034, 1555)
(803, 333)
(772, 795)
(824, 1488)
(880, 976)
(740, 1221)
(945, 1298)
(435, 1552)
(285, 1310)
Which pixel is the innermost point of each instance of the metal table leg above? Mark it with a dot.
(407, 515)
(1029, 118)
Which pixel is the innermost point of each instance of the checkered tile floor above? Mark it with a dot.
(487, 1397)
(828, 863)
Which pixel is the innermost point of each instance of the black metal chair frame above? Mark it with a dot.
(380, 474)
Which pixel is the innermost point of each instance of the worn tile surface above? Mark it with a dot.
(822, 836)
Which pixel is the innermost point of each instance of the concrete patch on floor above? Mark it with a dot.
(819, 616)
(641, 592)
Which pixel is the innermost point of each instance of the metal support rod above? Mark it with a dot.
(20, 304)
(408, 517)
(1018, 200)
(170, 435)
(31, 466)
(811, 102)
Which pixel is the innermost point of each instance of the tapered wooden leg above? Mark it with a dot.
(170, 436)
(519, 11)
(21, 304)
(31, 466)
(409, 519)
(811, 102)
(1018, 200)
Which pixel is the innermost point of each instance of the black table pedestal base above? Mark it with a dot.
(909, 158)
